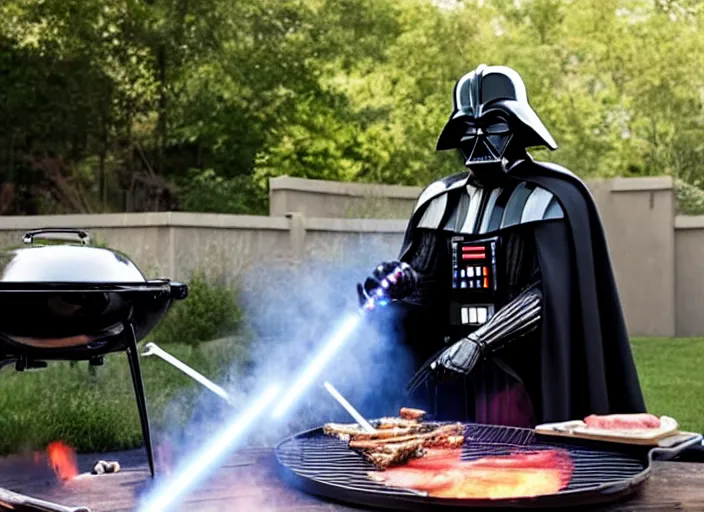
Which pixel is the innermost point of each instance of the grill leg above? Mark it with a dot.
(138, 384)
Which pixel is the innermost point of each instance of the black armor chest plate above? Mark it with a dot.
(487, 272)
(476, 246)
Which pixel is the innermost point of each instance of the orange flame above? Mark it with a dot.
(62, 460)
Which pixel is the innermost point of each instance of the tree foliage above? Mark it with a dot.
(137, 105)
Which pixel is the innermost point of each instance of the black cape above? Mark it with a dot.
(586, 364)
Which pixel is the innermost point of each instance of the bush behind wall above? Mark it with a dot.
(209, 312)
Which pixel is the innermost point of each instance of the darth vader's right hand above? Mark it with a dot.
(450, 363)
(458, 359)
(390, 280)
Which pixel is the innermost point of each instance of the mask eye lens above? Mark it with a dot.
(497, 128)
(470, 130)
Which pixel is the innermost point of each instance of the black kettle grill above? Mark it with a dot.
(78, 302)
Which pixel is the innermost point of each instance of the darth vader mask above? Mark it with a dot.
(491, 121)
(485, 140)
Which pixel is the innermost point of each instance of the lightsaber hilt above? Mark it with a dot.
(387, 289)
(151, 349)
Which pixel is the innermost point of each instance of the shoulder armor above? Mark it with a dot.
(482, 211)
(522, 205)
(557, 169)
(440, 187)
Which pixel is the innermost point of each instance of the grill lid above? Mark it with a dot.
(76, 262)
(79, 298)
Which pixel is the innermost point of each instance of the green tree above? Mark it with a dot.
(193, 104)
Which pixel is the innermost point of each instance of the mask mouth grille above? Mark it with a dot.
(484, 149)
(482, 152)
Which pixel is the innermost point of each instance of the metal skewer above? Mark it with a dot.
(151, 349)
(12, 500)
(348, 407)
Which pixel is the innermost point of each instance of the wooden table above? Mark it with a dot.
(249, 482)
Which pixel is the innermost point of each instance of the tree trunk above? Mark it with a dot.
(162, 120)
(102, 181)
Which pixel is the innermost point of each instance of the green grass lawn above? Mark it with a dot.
(98, 413)
(670, 372)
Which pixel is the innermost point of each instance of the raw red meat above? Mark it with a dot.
(623, 421)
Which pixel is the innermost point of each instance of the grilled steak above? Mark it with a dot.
(393, 454)
(444, 436)
(412, 414)
(385, 423)
(344, 432)
(397, 440)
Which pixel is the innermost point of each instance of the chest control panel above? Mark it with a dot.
(474, 265)
(474, 281)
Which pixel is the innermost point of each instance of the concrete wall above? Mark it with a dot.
(638, 216)
(174, 244)
(689, 252)
(655, 254)
(318, 198)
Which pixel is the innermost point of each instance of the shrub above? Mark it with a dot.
(203, 190)
(690, 198)
(210, 311)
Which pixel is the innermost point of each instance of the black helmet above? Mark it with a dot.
(490, 111)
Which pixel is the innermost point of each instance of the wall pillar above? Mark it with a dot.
(297, 234)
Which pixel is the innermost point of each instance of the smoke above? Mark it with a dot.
(291, 309)
(292, 314)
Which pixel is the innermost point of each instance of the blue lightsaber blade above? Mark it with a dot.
(317, 364)
(208, 458)
(333, 345)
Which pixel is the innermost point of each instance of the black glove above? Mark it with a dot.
(460, 358)
(391, 280)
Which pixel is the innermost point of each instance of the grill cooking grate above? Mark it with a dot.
(324, 465)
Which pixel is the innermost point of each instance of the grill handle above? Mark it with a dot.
(670, 452)
(28, 237)
(179, 291)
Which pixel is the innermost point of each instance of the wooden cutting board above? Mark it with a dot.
(577, 429)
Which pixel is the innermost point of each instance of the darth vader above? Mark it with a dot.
(503, 289)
